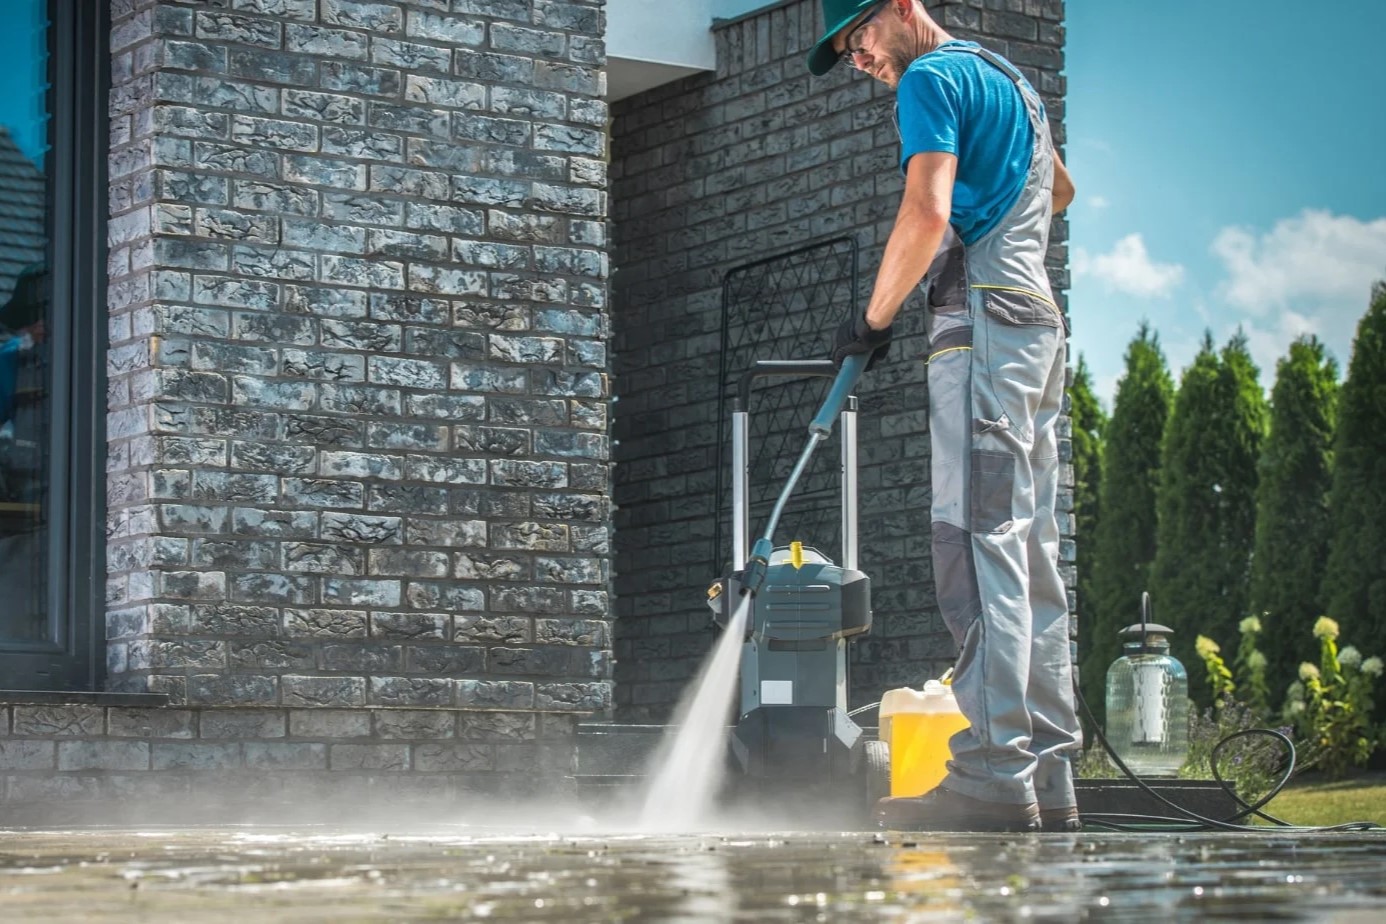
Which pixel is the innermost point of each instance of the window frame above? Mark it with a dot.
(72, 657)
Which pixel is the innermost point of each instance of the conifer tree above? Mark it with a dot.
(1206, 502)
(1088, 420)
(1122, 546)
(1355, 585)
(1292, 522)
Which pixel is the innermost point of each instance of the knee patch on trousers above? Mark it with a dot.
(992, 486)
(955, 579)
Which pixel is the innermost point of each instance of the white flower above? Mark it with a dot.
(1295, 692)
(1250, 624)
(1295, 707)
(1256, 661)
(1325, 628)
(1350, 657)
(1308, 672)
(1372, 666)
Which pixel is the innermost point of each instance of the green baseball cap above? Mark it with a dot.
(837, 14)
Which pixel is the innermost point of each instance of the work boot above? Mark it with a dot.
(942, 809)
(1063, 820)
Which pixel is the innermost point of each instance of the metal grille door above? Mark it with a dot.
(783, 307)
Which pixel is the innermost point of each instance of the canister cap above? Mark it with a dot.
(1147, 628)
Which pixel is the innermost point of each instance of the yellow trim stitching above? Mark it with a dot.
(933, 356)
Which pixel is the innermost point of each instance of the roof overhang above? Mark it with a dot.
(654, 42)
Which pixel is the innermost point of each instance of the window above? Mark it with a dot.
(52, 152)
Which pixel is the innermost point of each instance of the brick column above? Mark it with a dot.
(358, 432)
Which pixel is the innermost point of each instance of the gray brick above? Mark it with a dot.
(372, 17)
(323, 558)
(453, 757)
(66, 788)
(243, 30)
(242, 723)
(232, 689)
(414, 724)
(103, 755)
(444, 660)
(411, 56)
(329, 723)
(495, 694)
(324, 691)
(324, 624)
(361, 593)
(497, 726)
(285, 755)
(67, 721)
(171, 755)
(329, 43)
(410, 691)
(410, 626)
(582, 697)
(28, 755)
(388, 757)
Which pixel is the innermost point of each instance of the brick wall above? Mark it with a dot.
(718, 170)
(88, 762)
(357, 405)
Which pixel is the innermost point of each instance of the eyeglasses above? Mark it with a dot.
(849, 53)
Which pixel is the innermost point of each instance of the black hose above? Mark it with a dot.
(1189, 820)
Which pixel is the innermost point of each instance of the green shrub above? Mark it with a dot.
(1331, 704)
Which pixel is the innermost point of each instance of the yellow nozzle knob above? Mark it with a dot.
(715, 590)
(796, 554)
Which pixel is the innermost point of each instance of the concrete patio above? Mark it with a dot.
(461, 872)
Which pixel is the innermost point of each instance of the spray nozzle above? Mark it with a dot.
(757, 567)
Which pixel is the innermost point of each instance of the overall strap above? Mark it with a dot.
(1032, 102)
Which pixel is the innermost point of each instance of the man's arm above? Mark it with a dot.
(919, 228)
(1063, 185)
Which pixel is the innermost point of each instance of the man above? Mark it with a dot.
(982, 181)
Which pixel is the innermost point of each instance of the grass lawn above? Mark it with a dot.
(1317, 801)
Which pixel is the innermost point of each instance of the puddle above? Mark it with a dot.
(468, 874)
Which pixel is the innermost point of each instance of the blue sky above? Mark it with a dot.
(1230, 159)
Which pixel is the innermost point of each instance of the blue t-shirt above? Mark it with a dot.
(957, 103)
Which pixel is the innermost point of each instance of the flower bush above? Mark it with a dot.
(1331, 704)
(1219, 676)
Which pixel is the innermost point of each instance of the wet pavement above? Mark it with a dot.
(453, 872)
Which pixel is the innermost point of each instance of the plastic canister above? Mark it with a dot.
(917, 725)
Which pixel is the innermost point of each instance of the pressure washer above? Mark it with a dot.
(792, 723)
(792, 733)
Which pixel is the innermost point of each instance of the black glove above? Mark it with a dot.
(854, 336)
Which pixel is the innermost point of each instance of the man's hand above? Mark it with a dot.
(855, 336)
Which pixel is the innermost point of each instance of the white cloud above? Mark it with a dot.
(1129, 269)
(1314, 257)
(1309, 274)
(1098, 202)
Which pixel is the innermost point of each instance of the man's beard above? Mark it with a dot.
(898, 61)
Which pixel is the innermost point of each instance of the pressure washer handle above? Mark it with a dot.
(852, 368)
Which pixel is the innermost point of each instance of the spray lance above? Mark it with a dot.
(758, 565)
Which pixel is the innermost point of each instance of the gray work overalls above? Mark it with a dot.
(996, 389)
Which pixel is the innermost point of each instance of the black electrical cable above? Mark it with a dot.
(1189, 820)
